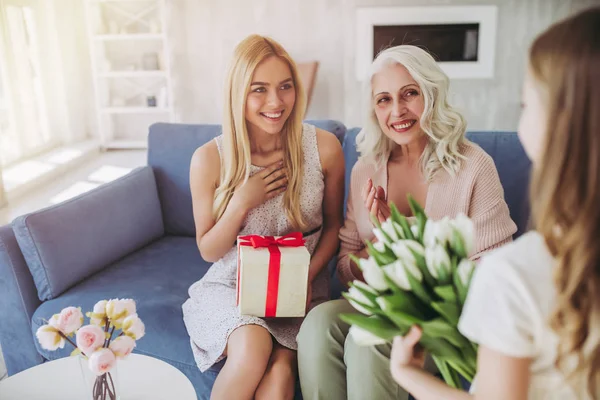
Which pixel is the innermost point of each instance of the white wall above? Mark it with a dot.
(74, 74)
(308, 29)
(204, 33)
(488, 104)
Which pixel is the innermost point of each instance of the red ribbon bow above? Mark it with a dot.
(256, 241)
(290, 240)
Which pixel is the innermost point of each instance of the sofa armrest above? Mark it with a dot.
(19, 301)
(66, 243)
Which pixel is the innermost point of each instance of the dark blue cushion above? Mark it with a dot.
(170, 150)
(157, 277)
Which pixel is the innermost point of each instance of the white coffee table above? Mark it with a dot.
(140, 378)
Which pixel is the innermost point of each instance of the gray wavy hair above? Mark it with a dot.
(444, 126)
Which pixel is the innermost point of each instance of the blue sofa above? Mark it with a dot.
(134, 237)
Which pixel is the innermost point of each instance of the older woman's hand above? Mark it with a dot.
(376, 201)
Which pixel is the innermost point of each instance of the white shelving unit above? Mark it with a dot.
(129, 53)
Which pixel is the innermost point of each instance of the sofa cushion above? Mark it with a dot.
(170, 160)
(157, 277)
(68, 242)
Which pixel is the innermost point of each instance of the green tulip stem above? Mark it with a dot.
(449, 375)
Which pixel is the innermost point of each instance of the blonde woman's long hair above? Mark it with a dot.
(565, 191)
(444, 126)
(235, 160)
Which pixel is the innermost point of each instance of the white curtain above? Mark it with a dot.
(27, 84)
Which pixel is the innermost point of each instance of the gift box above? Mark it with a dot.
(272, 275)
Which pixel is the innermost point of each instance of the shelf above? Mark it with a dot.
(132, 74)
(135, 110)
(127, 144)
(130, 36)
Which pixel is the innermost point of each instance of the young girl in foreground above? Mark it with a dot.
(267, 174)
(534, 305)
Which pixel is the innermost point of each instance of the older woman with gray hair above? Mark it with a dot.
(413, 142)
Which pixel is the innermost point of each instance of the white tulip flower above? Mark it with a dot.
(373, 274)
(397, 272)
(403, 249)
(465, 227)
(391, 229)
(363, 337)
(464, 270)
(438, 232)
(356, 297)
(437, 260)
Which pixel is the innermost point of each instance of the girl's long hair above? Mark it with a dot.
(235, 160)
(565, 62)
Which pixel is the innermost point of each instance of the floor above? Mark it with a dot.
(100, 169)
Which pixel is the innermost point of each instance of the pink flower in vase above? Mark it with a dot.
(49, 338)
(122, 346)
(90, 338)
(98, 314)
(68, 321)
(134, 327)
(102, 361)
(118, 309)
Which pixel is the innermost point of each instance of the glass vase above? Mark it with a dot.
(103, 387)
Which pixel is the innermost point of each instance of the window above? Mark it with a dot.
(24, 84)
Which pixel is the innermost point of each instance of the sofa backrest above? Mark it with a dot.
(170, 150)
(511, 162)
(514, 169)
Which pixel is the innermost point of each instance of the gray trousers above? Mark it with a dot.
(333, 367)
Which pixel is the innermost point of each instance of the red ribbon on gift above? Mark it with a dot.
(256, 241)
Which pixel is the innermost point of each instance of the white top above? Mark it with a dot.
(508, 307)
(139, 378)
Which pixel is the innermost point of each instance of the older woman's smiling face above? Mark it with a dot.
(398, 104)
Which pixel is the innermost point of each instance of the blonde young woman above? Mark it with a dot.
(267, 174)
(413, 143)
(534, 305)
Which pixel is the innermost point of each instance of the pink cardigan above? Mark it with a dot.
(475, 191)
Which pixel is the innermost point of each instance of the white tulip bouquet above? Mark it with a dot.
(418, 273)
(100, 342)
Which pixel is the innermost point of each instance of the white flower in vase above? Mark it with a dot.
(68, 320)
(134, 327)
(122, 346)
(49, 338)
(90, 338)
(119, 309)
(98, 313)
(102, 361)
